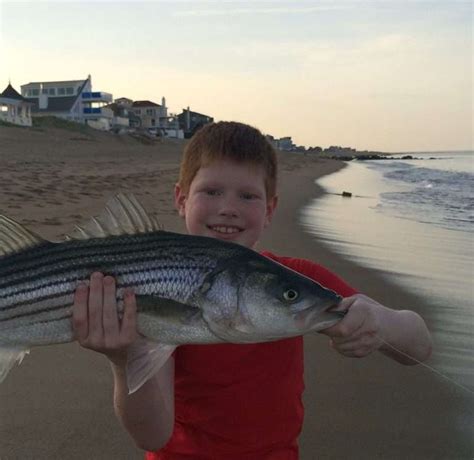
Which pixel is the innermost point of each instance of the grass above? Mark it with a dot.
(40, 123)
(10, 125)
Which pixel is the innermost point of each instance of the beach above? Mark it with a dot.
(58, 403)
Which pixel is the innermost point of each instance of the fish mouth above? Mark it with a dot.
(314, 320)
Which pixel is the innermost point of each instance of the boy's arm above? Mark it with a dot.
(370, 326)
(147, 414)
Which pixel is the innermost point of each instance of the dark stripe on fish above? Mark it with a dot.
(74, 250)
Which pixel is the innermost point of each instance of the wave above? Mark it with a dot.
(439, 197)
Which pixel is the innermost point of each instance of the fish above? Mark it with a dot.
(189, 289)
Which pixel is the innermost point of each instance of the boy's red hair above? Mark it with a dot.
(229, 140)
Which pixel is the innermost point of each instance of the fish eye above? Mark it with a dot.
(290, 295)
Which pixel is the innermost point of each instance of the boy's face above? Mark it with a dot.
(227, 200)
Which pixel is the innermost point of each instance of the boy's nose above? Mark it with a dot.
(229, 208)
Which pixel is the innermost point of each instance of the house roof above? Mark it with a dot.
(71, 82)
(55, 104)
(117, 109)
(11, 93)
(58, 104)
(145, 104)
(194, 113)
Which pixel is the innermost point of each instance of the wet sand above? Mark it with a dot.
(58, 403)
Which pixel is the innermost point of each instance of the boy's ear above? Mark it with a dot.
(271, 206)
(179, 200)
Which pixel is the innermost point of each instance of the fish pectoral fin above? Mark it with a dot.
(167, 309)
(232, 329)
(8, 358)
(144, 359)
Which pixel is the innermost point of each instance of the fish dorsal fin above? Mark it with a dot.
(15, 238)
(123, 215)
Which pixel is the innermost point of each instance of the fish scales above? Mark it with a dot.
(44, 292)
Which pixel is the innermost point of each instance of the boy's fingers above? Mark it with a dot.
(109, 311)
(349, 325)
(79, 313)
(96, 299)
(128, 329)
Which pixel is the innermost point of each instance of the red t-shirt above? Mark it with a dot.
(242, 402)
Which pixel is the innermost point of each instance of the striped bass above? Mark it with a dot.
(189, 289)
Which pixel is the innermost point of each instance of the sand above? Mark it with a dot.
(58, 403)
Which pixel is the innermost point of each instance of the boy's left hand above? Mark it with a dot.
(359, 333)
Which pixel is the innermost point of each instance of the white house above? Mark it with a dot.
(72, 100)
(14, 108)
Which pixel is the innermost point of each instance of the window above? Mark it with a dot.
(52, 91)
(35, 92)
(152, 122)
(44, 91)
(61, 91)
(69, 90)
(150, 112)
(3, 108)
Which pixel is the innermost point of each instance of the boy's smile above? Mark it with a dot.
(227, 200)
(224, 230)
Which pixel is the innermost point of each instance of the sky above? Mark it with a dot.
(381, 75)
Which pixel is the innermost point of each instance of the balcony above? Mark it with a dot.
(96, 96)
(97, 112)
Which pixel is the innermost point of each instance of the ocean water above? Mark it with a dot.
(414, 221)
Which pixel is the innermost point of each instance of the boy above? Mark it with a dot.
(231, 401)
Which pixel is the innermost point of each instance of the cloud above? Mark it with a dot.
(332, 53)
(263, 10)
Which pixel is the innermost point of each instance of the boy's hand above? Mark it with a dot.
(95, 320)
(359, 333)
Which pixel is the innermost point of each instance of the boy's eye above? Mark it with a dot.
(212, 192)
(249, 196)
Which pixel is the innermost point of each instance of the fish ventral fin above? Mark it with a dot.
(14, 237)
(123, 215)
(144, 359)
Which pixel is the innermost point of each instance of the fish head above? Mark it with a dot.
(257, 299)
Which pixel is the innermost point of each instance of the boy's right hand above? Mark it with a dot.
(96, 322)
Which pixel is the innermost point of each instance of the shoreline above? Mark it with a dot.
(376, 407)
(58, 403)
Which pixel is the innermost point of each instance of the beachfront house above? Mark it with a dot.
(190, 121)
(124, 109)
(14, 108)
(72, 100)
(122, 117)
(152, 115)
(153, 118)
(284, 143)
